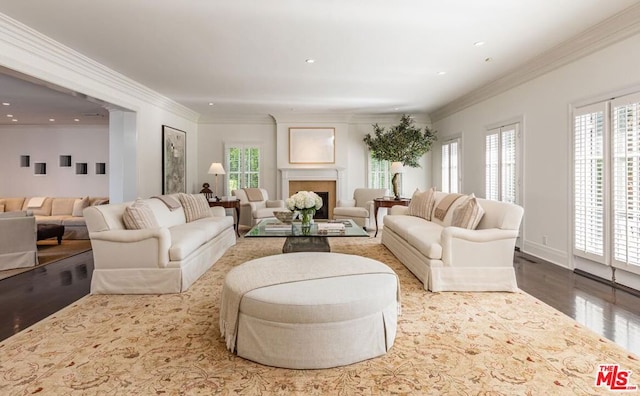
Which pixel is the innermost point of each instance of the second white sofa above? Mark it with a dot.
(448, 258)
(165, 258)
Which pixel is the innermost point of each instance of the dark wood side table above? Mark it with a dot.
(46, 231)
(387, 203)
(232, 204)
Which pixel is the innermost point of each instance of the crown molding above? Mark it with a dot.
(389, 118)
(610, 31)
(258, 119)
(30, 52)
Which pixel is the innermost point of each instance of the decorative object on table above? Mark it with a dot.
(206, 191)
(305, 202)
(174, 160)
(312, 145)
(396, 169)
(216, 169)
(285, 216)
(403, 144)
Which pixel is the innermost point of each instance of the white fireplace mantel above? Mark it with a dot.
(302, 174)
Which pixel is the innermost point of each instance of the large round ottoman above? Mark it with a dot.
(310, 310)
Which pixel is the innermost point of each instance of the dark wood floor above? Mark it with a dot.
(615, 314)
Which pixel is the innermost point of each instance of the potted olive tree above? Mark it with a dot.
(402, 145)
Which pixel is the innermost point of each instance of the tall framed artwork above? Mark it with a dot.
(174, 160)
(312, 145)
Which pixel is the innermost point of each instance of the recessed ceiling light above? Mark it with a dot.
(441, 73)
(210, 103)
(10, 115)
(479, 43)
(14, 120)
(310, 61)
(6, 104)
(52, 119)
(76, 120)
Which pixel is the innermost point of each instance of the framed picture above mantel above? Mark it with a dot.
(312, 145)
(174, 160)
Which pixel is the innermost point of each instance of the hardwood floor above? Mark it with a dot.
(615, 314)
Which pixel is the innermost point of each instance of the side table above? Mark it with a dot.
(232, 204)
(387, 203)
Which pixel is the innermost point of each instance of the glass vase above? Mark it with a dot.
(306, 216)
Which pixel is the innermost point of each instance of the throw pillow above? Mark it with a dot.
(2, 208)
(468, 214)
(422, 203)
(195, 206)
(79, 205)
(139, 216)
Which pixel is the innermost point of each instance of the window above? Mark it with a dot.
(607, 183)
(501, 168)
(242, 166)
(451, 166)
(379, 173)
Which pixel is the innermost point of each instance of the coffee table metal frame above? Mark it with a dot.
(313, 241)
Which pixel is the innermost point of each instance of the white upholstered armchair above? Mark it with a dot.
(254, 210)
(360, 208)
(18, 235)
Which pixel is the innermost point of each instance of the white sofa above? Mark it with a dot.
(56, 210)
(447, 258)
(167, 259)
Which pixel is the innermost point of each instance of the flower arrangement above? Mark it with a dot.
(306, 202)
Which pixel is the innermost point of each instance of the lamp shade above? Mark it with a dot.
(396, 167)
(216, 169)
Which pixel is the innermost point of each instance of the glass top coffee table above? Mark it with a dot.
(315, 239)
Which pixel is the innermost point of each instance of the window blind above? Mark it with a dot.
(589, 184)
(242, 166)
(491, 165)
(446, 168)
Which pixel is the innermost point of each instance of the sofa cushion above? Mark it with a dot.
(188, 237)
(422, 203)
(57, 220)
(1, 208)
(468, 214)
(73, 221)
(12, 204)
(62, 206)
(263, 213)
(79, 205)
(38, 206)
(351, 212)
(139, 216)
(426, 240)
(195, 206)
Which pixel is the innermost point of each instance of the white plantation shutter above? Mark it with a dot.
(451, 166)
(379, 173)
(626, 182)
(445, 167)
(589, 182)
(508, 164)
(501, 173)
(491, 165)
(242, 166)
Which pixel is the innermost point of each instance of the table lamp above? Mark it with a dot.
(216, 169)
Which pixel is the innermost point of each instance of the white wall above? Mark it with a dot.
(39, 56)
(211, 142)
(544, 106)
(87, 144)
(351, 152)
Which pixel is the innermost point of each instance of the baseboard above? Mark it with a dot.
(607, 282)
(554, 256)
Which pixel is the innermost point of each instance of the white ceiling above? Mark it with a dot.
(372, 56)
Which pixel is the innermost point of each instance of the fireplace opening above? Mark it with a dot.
(323, 212)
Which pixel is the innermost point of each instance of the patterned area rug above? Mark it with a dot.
(447, 343)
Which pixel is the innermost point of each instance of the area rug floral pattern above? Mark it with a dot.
(447, 343)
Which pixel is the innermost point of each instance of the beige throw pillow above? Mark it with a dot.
(79, 205)
(195, 206)
(139, 216)
(1, 207)
(422, 203)
(468, 214)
